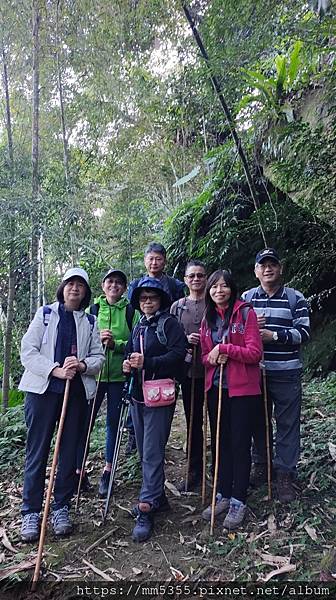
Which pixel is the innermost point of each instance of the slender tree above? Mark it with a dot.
(11, 271)
(34, 244)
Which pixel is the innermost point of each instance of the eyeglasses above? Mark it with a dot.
(196, 276)
(152, 297)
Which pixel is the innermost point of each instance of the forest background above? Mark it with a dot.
(112, 135)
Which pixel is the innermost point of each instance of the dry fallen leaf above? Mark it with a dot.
(271, 524)
(6, 541)
(22, 566)
(171, 487)
(231, 536)
(311, 532)
(270, 559)
(332, 450)
(136, 571)
(181, 538)
(178, 575)
(284, 569)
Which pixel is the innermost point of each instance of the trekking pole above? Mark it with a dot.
(82, 471)
(219, 410)
(125, 402)
(50, 486)
(205, 441)
(267, 429)
(191, 416)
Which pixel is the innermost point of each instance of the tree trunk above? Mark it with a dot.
(34, 244)
(60, 94)
(11, 273)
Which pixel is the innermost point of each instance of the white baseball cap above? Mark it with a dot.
(76, 272)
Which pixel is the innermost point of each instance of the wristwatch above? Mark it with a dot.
(275, 336)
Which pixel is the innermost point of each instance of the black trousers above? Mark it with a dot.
(42, 411)
(235, 441)
(196, 455)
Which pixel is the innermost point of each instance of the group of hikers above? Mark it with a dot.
(199, 333)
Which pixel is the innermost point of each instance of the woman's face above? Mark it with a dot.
(113, 288)
(73, 293)
(220, 293)
(149, 302)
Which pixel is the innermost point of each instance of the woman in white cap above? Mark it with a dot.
(62, 342)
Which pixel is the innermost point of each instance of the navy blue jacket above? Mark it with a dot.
(161, 361)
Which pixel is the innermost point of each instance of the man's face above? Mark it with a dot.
(268, 272)
(195, 278)
(113, 287)
(154, 263)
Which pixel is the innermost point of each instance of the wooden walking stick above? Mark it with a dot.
(267, 429)
(205, 441)
(191, 416)
(219, 410)
(50, 486)
(82, 471)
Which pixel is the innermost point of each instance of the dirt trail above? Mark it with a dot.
(180, 548)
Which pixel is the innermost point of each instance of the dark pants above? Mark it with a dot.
(235, 442)
(284, 395)
(152, 428)
(42, 411)
(196, 454)
(113, 390)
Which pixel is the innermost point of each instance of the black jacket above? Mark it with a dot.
(161, 360)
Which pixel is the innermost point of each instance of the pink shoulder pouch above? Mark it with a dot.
(157, 392)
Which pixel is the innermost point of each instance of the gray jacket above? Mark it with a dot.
(38, 351)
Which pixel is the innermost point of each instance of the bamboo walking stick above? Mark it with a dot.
(191, 416)
(267, 430)
(219, 410)
(205, 441)
(82, 471)
(50, 486)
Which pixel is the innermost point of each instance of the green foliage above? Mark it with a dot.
(12, 437)
(15, 398)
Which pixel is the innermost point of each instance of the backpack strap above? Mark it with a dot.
(130, 312)
(91, 320)
(244, 312)
(292, 300)
(179, 308)
(46, 315)
(160, 332)
(94, 309)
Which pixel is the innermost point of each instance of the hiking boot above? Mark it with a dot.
(160, 506)
(61, 521)
(104, 484)
(221, 505)
(85, 484)
(131, 444)
(144, 524)
(194, 482)
(235, 516)
(285, 488)
(258, 476)
(30, 527)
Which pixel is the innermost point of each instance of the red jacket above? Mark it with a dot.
(244, 349)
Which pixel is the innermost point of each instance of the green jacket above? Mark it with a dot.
(113, 317)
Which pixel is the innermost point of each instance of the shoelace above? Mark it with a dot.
(31, 519)
(61, 515)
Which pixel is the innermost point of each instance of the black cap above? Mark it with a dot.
(116, 272)
(267, 253)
